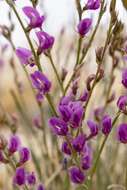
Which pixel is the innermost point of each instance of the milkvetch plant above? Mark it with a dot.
(65, 135)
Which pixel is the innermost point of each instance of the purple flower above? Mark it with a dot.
(76, 175)
(122, 103)
(98, 113)
(122, 133)
(24, 155)
(20, 177)
(86, 159)
(65, 112)
(84, 26)
(34, 17)
(25, 56)
(93, 4)
(58, 126)
(77, 114)
(78, 142)
(65, 148)
(40, 187)
(31, 179)
(106, 125)
(84, 96)
(14, 144)
(93, 128)
(124, 78)
(41, 83)
(45, 41)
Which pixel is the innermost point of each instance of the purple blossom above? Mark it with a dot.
(76, 175)
(122, 133)
(65, 148)
(45, 41)
(35, 20)
(86, 158)
(77, 114)
(24, 155)
(31, 179)
(41, 83)
(93, 128)
(1, 156)
(124, 78)
(14, 144)
(106, 125)
(40, 187)
(25, 56)
(84, 26)
(93, 4)
(84, 96)
(65, 112)
(122, 103)
(58, 126)
(79, 142)
(20, 177)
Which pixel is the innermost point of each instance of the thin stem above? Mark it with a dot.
(101, 150)
(93, 34)
(99, 66)
(51, 104)
(56, 73)
(31, 46)
(77, 61)
(88, 46)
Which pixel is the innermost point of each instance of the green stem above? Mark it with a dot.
(51, 104)
(100, 151)
(93, 34)
(77, 62)
(31, 46)
(56, 73)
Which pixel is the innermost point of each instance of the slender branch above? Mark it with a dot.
(56, 72)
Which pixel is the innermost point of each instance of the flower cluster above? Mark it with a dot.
(12, 152)
(76, 142)
(122, 105)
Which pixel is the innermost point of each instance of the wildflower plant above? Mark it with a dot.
(64, 134)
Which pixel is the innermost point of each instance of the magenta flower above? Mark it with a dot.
(45, 41)
(31, 179)
(40, 187)
(35, 20)
(124, 78)
(86, 158)
(25, 56)
(14, 144)
(79, 142)
(58, 126)
(20, 177)
(24, 155)
(41, 83)
(122, 103)
(122, 133)
(84, 96)
(65, 148)
(93, 128)
(93, 4)
(84, 26)
(106, 125)
(76, 175)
